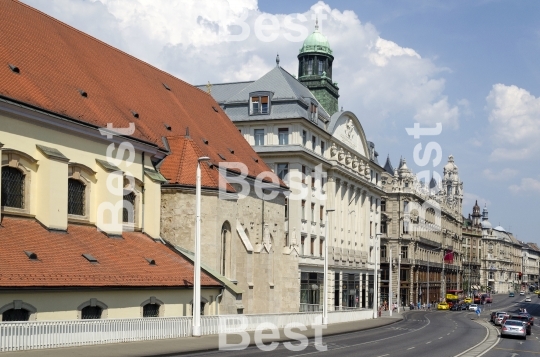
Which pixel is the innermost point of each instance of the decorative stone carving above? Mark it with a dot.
(341, 154)
(355, 163)
(333, 150)
(348, 158)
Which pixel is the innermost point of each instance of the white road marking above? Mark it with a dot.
(428, 342)
(440, 338)
(410, 348)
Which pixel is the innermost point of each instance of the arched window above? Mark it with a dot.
(12, 187)
(225, 249)
(76, 197)
(128, 213)
(151, 310)
(16, 315)
(91, 312)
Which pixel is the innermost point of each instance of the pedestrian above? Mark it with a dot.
(418, 304)
(429, 306)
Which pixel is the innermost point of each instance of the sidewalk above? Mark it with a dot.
(190, 344)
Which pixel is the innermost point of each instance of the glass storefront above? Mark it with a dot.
(311, 291)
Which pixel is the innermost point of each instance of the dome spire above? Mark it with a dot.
(277, 60)
(316, 23)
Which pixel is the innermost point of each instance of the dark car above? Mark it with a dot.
(529, 316)
(524, 319)
(492, 316)
(455, 307)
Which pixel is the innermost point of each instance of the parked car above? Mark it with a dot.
(492, 316)
(473, 307)
(514, 328)
(511, 295)
(468, 301)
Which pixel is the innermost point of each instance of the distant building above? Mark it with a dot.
(421, 230)
(472, 243)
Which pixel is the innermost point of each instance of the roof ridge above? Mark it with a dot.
(99, 41)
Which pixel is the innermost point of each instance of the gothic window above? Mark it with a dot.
(16, 315)
(225, 250)
(128, 212)
(12, 187)
(91, 312)
(76, 197)
(151, 310)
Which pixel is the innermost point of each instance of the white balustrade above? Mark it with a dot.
(29, 335)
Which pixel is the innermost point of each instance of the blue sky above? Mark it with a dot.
(470, 64)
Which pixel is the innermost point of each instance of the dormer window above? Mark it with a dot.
(313, 112)
(259, 104)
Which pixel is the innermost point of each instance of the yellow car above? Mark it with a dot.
(468, 301)
(537, 292)
(443, 306)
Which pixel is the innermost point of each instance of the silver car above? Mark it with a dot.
(514, 328)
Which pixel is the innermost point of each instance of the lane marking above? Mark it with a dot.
(428, 342)
(368, 342)
(440, 338)
(384, 355)
(410, 348)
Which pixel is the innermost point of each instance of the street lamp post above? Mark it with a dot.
(390, 292)
(197, 266)
(326, 237)
(375, 277)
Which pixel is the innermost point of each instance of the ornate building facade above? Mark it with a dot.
(325, 158)
(472, 243)
(421, 245)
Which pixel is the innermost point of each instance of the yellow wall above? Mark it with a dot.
(63, 305)
(49, 181)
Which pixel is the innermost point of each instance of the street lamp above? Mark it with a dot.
(197, 266)
(325, 306)
(375, 277)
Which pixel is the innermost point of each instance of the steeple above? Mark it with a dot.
(388, 166)
(315, 70)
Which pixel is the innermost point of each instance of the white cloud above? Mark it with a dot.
(526, 185)
(504, 174)
(514, 115)
(378, 78)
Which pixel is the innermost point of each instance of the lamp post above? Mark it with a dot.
(197, 266)
(375, 277)
(390, 292)
(399, 282)
(325, 306)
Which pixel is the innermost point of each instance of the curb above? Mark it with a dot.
(491, 340)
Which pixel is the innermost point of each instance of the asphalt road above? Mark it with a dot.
(421, 333)
(513, 347)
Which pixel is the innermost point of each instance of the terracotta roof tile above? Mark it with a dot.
(56, 61)
(121, 261)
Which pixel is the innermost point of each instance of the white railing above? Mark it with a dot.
(29, 335)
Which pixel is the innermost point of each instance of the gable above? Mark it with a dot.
(347, 129)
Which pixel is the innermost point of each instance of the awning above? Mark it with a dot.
(243, 236)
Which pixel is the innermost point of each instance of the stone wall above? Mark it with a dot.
(267, 277)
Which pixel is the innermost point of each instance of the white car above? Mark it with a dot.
(473, 307)
(528, 299)
(522, 293)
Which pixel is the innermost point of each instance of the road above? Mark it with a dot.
(421, 333)
(513, 347)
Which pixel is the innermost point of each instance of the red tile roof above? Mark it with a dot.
(121, 261)
(56, 61)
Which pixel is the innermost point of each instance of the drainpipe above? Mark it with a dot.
(143, 189)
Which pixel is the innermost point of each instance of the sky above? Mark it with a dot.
(471, 65)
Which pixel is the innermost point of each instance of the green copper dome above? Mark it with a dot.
(316, 42)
